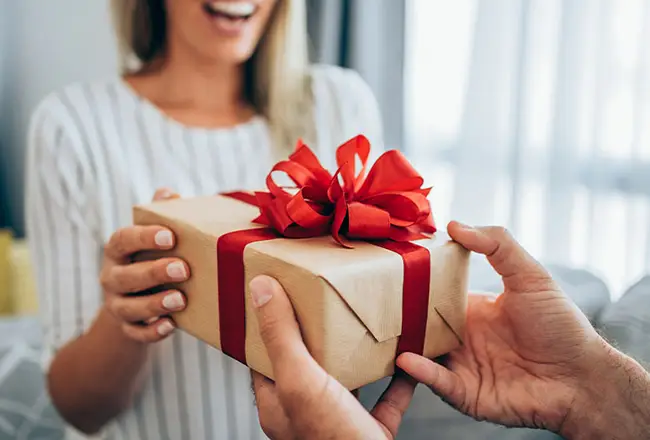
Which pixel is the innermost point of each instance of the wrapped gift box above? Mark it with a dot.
(355, 305)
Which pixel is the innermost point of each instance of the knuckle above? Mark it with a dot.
(105, 279)
(142, 237)
(112, 240)
(122, 310)
(156, 272)
(119, 278)
(393, 407)
(498, 232)
(534, 280)
(268, 329)
(118, 241)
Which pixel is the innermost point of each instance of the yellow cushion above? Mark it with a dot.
(22, 280)
(17, 285)
(6, 296)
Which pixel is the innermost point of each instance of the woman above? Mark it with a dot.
(213, 94)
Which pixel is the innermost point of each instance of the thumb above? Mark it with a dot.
(504, 253)
(303, 387)
(278, 326)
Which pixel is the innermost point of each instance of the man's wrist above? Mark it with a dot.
(613, 401)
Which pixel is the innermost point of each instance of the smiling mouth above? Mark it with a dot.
(235, 11)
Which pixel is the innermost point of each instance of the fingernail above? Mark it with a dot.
(164, 238)
(165, 328)
(176, 271)
(169, 195)
(152, 320)
(164, 193)
(173, 301)
(261, 290)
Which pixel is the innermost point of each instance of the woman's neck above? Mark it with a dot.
(207, 87)
(194, 93)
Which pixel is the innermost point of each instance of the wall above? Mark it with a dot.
(43, 46)
(4, 211)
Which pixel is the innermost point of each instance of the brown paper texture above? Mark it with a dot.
(348, 301)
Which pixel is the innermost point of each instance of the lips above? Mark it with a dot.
(232, 10)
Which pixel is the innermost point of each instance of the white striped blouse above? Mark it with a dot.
(95, 150)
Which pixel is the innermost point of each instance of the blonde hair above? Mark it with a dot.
(277, 79)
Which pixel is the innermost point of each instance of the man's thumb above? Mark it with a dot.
(503, 252)
(277, 322)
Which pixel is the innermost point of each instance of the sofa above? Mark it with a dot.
(27, 413)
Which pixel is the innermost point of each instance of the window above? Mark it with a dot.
(535, 114)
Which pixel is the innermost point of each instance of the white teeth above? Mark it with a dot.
(234, 9)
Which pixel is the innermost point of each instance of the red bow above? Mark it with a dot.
(387, 204)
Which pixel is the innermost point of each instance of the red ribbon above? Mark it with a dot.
(388, 205)
(231, 284)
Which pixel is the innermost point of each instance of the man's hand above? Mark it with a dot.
(304, 401)
(527, 353)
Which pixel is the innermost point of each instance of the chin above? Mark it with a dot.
(229, 54)
(236, 26)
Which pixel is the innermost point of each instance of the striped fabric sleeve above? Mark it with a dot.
(61, 226)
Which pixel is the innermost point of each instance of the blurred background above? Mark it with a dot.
(533, 114)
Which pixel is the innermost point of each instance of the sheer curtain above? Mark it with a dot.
(535, 114)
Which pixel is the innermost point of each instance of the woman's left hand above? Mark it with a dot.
(305, 401)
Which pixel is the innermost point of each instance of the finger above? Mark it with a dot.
(146, 308)
(503, 252)
(136, 277)
(157, 331)
(278, 326)
(393, 403)
(127, 241)
(442, 381)
(164, 194)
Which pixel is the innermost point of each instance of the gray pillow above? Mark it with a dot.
(626, 323)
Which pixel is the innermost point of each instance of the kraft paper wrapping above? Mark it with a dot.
(348, 301)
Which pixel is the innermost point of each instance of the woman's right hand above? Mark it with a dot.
(143, 318)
